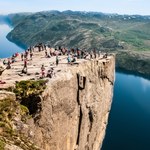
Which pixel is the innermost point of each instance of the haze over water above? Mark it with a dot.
(7, 48)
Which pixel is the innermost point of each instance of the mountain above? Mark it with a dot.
(86, 30)
(81, 29)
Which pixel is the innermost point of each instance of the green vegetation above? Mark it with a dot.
(133, 61)
(7, 110)
(2, 145)
(87, 30)
(25, 89)
(14, 113)
(28, 93)
(79, 29)
(24, 110)
(134, 38)
(13, 116)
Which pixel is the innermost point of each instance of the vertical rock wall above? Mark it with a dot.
(75, 107)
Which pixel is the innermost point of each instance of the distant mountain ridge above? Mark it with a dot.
(126, 35)
(53, 26)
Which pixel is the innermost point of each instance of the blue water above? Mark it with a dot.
(129, 120)
(7, 48)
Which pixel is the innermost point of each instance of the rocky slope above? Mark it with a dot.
(134, 62)
(73, 108)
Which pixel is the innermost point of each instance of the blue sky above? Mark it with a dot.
(141, 7)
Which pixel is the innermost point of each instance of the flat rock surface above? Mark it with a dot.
(10, 76)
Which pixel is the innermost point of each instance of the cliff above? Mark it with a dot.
(73, 109)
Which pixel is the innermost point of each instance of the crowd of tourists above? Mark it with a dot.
(71, 54)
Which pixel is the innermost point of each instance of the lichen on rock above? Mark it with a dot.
(12, 125)
(28, 94)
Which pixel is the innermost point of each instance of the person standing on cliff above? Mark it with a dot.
(68, 59)
(22, 56)
(31, 54)
(57, 60)
(43, 71)
(91, 55)
(99, 53)
(46, 54)
(94, 52)
(8, 64)
(25, 66)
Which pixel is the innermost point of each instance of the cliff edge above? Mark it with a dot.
(73, 109)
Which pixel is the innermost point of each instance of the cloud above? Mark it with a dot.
(108, 6)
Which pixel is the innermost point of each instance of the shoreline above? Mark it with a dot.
(134, 73)
(19, 44)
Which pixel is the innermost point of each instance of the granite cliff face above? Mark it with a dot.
(73, 109)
